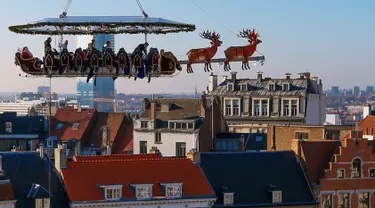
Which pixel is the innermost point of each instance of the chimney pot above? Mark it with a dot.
(153, 110)
(234, 74)
(260, 76)
(288, 75)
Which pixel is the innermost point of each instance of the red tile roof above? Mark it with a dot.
(317, 155)
(82, 178)
(124, 143)
(6, 192)
(68, 117)
(115, 123)
(101, 158)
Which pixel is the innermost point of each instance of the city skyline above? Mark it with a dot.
(298, 36)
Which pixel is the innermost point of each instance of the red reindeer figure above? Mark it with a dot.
(205, 54)
(242, 51)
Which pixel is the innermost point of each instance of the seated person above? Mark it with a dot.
(47, 45)
(65, 46)
(142, 47)
(107, 47)
(26, 53)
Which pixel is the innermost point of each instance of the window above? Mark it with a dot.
(302, 135)
(294, 108)
(173, 191)
(258, 138)
(236, 107)
(178, 125)
(372, 172)
(112, 193)
(290, 107)
(286, 86)
(230, 86)
(143, 192)
(171, 125)
(271, 87)
(243, 87)
(59, 126)
(190, 126)
(264, 107)
(357, 168)
(42, 203)
(8, 127)
(341, 173)
(144, 124)
(286, 111)
(157, 138)
(183, 125)
(232, 107)
(75, 126)
(256, 107)
(276, 197)
(180, 149)
(142, 147)
(344, 200)
(364, 200)
(260, 107)
(327, 201)
(228, 198)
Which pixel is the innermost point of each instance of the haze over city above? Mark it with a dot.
(332, 40)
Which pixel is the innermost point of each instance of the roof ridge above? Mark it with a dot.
(135, 155)
(129, 160)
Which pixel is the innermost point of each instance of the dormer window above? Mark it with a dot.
(276, 197)
(271, 87)
(143, 191)
(230, 86)
(75, 126)
(286, 86)
(144, 124)
(181, 125)
(112, 192)
(8, 127)
(173, 190)
(228, 198)
(244, 87)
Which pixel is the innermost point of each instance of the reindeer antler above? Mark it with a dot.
(248, 33)
(210, 35)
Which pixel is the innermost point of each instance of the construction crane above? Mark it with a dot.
(62, 18)
(106, 100)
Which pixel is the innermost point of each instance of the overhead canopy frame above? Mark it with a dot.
(88, 25)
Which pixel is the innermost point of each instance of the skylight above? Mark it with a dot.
(59, 126)
(75, 126)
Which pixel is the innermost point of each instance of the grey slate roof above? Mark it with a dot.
(24, 169)
(298, 87)
(251, 176)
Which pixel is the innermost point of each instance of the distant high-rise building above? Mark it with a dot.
(43, 89)
(335, 90)
(85, 93)
(356, 90)
(370, 89)
(104, 87)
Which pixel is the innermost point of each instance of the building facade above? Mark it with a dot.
(175, 127)
(85, 93)
(250, 105)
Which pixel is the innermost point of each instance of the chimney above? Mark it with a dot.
(154, 150)
(203, 105)
(212, 82)
(260, 76)
(146, 103)
(106, 139)
(288, 75)
(366, 110)
(152, 110)
(234, 76)
(60, 157)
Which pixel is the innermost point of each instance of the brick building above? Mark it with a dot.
(342, 172)
(281, 137)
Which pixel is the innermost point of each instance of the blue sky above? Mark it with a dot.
(334, 40)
